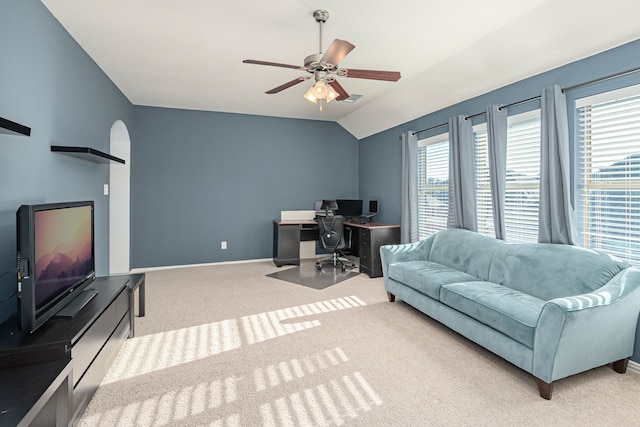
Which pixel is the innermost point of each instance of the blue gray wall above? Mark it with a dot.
(48, 83)
(199, 178)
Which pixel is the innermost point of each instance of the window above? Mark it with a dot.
(433, 184)
(484, 207)
(522, 181)
(609, 135)
(522, 187)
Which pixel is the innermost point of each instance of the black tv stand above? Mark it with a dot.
(70, 310)
(51, 374)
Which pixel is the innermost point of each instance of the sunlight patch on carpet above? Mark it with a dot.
(269, 325)
(149, 353)
(317, 402)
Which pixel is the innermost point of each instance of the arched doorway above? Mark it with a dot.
(119, 200)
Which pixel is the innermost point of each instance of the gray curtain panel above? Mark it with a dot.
(497, 150)
(462, 175)
(557, 216)
(409, 222)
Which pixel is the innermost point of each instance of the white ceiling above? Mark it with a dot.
(188, 54)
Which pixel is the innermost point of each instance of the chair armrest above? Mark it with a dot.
(581, 332)
(390, 254)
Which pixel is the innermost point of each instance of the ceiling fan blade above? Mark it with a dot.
(342, 94)
(273, 64)
(286, 85)
(390, 76)
(337, 50)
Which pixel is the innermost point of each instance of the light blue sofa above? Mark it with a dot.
(552, 310)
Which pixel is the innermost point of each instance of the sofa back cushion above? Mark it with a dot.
(549, 271)
(465, 251)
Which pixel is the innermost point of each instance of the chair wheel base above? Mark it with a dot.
(335, 262)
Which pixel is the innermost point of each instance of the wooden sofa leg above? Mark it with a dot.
(544, 388)
(391, 297)
(620, 366)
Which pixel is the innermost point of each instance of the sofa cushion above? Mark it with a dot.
(509, 311)
(464, 250)
(426, 277)
(549, 271)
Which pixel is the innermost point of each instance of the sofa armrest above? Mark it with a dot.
(390, 254)
(577, 333)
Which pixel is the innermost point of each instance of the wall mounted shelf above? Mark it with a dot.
(8, 127)
(86, 153)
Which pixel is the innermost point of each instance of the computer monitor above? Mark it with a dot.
(349, 208)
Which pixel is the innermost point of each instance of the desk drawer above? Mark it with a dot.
(309, 233)
(365, 239)
(365, 251)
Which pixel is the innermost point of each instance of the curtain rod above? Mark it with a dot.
(445, 124)
(601, 79)
(534, 98)
(480, 114)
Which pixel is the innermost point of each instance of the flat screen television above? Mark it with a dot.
(55, 260)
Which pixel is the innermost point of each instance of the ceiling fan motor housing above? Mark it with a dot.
(321, 15)
(313, 63)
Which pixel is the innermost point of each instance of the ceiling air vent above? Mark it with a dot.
(353, 98)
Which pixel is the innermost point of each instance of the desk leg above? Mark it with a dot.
(286, 244)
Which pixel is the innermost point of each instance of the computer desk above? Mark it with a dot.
(366, 240)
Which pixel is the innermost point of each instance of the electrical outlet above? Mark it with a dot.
(223, 245)
(106, 189)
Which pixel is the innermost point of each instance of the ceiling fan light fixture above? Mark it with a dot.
(320, 89)
(310, 96)
(331, 93)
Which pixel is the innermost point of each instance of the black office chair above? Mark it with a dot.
(331, 230)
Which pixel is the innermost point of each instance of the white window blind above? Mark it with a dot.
(484, 209)
(522, 187)
(433, 184)
(609, 134)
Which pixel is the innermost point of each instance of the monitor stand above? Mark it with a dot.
(76, 304)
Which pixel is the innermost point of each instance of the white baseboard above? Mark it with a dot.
(634, 367)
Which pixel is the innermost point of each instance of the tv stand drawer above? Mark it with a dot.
(85, 350)
(85, 388)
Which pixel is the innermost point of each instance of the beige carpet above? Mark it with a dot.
(227, 346)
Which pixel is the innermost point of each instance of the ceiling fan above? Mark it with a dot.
(324, 68)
